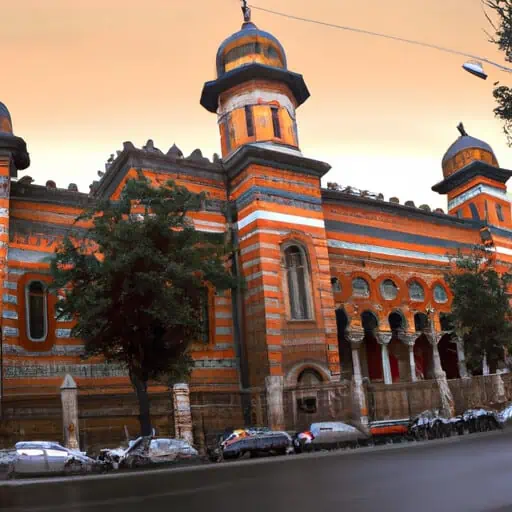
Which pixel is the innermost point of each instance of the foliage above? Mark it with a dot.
(481, 310)
(135, 282)
(503, 38)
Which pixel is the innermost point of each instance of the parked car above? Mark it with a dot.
(43, 458)
(146, 451)
(329, 435)
(256, 443)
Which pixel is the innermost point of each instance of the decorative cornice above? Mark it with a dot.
(257, 155)
(470, 171)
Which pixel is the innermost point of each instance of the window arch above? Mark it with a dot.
(37, 311)
(297, 278)
(360, 287)
(416, 291)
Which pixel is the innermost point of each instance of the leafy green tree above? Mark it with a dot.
(481, 310)
(503, 38)
(136, 282)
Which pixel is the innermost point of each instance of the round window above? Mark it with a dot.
(388, 289)
(360, 287)
(416, 291)
(440, 294)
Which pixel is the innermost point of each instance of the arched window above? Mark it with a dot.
(37, 311)
(336, 285)
(298, 283)
(396, 321)
(275, 122)
(416, 291)
(309, 377)
(440, 295)
(360, 287)
(388, 289)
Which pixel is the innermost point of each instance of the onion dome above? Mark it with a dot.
(5, 119)
(464, 151)
(250, 45)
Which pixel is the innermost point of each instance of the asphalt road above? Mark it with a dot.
(470, 473)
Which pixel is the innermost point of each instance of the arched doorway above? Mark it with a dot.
(448, 356)
(344, 348)
(398, 352)
(372, 348)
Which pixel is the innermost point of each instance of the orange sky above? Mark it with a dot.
(82, 76)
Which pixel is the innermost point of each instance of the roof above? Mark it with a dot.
(466, 142)
(248, 29)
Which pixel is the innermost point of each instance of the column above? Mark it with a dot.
(274, 385)
(461, 357)
(383, 340)
(412, 361)
(69, 399)
(182, 413)
(356, 338)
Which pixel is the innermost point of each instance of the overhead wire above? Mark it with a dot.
(385, 36)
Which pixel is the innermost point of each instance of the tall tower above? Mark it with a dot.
(288, 321)
(474, 182)
(255, 95)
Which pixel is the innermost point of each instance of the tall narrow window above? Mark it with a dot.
(227, 134)
(486, 210)
(37, 311)
(499, 212)
(275, 122)
(204, 316)
(298, 289)
(474, 211)
(249, 121)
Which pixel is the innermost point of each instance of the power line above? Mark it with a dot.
(385, 36)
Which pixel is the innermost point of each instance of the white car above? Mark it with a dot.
(44, 458)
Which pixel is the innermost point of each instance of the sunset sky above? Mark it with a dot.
(81, 76)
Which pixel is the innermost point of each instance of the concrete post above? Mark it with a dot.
(182, 412)
(461, 357)
(485, 365)
(69, 399)
(383, 340)
(274, 385)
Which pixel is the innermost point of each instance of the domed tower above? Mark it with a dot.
(474, 182)
(255, 95)
(275, 213)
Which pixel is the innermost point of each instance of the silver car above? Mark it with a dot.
(44, 458)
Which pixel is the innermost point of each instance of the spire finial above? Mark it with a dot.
(462, 130)
(247, 11)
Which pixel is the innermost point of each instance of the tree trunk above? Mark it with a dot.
(141, 390)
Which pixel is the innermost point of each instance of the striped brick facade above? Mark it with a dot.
(266, 196)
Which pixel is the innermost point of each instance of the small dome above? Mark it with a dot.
(5, 120)
(248, 46)
(465, 150)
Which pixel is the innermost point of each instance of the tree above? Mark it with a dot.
(481, 311)
(503, 38)
(136, 283)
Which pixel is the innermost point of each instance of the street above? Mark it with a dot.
(470, 473)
